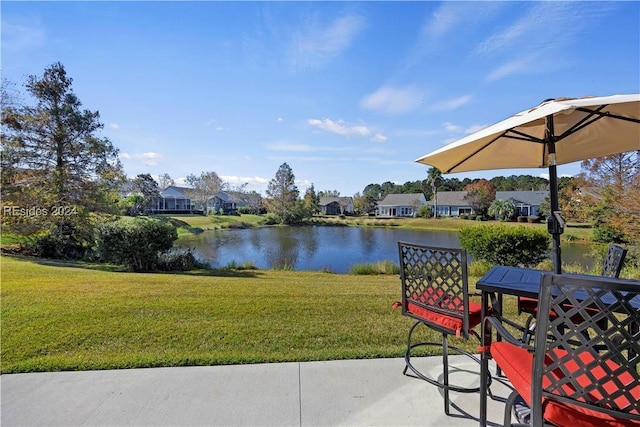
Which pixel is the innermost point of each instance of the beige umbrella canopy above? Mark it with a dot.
(556, 132)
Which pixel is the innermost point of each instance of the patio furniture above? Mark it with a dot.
(435, 293)
(611, 267)
(567, 379)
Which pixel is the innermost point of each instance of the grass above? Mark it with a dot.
(380, 267)
(57, 317)
(200, 223)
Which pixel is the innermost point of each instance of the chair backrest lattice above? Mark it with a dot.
(613, 261)
(599, 369)
(434, 279)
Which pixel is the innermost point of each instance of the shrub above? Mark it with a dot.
(608, 234)
(479, 268)
(135, 244)
(505, 245)
(533, 219)
(57, 245)
(268, 219)
(179, 261)
(522, 218)
(425, 211)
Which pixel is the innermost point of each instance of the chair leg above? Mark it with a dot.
(408, 353)
(445, 364)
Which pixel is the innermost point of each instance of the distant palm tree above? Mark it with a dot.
(503, 209)
(434, 177)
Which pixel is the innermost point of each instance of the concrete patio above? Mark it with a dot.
(347, 393)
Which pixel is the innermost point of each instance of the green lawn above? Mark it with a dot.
(56, 317)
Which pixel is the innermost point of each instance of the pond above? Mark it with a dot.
(316, 248)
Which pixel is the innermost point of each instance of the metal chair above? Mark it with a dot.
(613, 261)
(435, 293)
(611, 267)
(566, 378)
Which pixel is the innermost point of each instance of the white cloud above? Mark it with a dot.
(394, 100)
(451, 104)
(450, 127)
(303, 148)
(378, 137)
(523, 47)
(339, 127)
(239, 180)
(528, 63)
(474, 129)
(147, 159)
(114, 126)
(318, 43)
(283, 146)
(20, 37)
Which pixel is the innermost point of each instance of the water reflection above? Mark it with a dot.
(322, 248)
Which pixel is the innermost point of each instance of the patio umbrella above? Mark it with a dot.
(556, 132)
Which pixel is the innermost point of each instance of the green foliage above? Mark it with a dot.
(502, 209)
(424, 211)
(479, 268)
(136, 244)
(505, 245)
(179, 261)
(380, 267)
(605, 233)
(282, 194)
(53, 145)
(56, 245)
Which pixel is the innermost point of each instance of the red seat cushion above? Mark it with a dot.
(438, 298)
(527, 305)
(530, 305)
(516, 363)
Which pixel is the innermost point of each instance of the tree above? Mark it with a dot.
(503, 209)
(329, 193)
(434, 176)
(145, 185)
(203, 187)
(480, 195)
(164, 181)
(311, 200)
(56, 142)
(52, 158)
(612, 182)
(363, 204)
(373, 192)
(282, 196)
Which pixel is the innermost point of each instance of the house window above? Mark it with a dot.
(406, 212)
(522, 210)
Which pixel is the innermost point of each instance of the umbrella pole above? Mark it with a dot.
(555, 224)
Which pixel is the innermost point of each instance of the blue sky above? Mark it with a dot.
(347, 93)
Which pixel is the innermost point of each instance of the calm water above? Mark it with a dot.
(315, 248)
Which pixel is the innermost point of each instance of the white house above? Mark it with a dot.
(401, 205)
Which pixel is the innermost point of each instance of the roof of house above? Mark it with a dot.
(324, 201)
(408, 199)
(173, 191)
(532, 198)
(450, 198)
(456, 198)
(236, 197)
